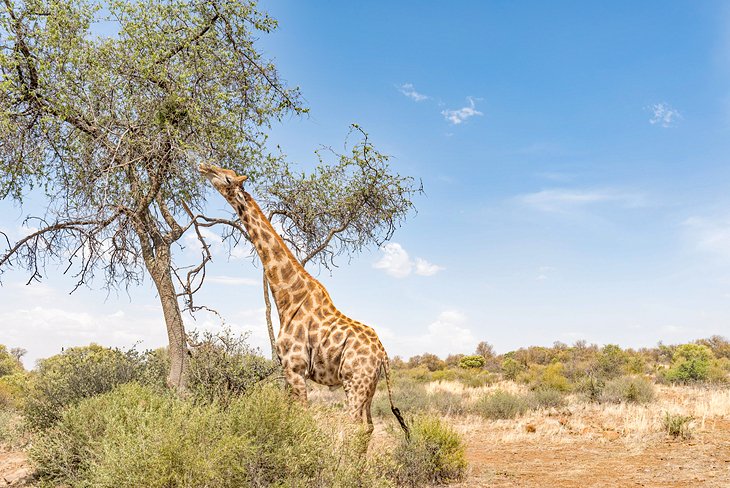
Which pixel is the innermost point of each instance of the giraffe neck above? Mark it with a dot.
(286, 276)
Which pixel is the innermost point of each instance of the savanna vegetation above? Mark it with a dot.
(95, 416)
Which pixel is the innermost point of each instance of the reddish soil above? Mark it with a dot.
(608, 461)
(14, 469)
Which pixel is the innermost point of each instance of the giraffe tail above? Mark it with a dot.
(386, 369)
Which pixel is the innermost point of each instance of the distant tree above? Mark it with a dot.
(470, 362)
(691, 362)
(452, 360)
(431, 362)
(719, 346)
(610, 361)
(18, 353)
(511, 368)
(396, 362)
(485, 350)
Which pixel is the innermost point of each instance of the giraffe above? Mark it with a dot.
(316, 341)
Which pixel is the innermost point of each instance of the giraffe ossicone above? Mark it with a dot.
(316, 341)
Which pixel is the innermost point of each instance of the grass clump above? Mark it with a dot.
(677, 425)
(501, 405)
(627, 389)
(433, 456)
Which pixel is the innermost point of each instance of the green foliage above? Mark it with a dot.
(75, 374)
(475, 361)
(628, 389)
(136, 436)
(690, 363)
(611, 361)
(501, 405)
(677, 425)
(12, 429)
(224, 366)
(8, 363)
(13, 390)
(511, 368)
(434, 455)
(547, 398)
(550, 376)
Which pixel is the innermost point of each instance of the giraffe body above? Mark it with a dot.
(316, 341)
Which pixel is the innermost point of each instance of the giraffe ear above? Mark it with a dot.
(238, 180)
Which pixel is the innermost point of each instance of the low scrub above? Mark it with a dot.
(433, 456)
(627, 389)
(75, 374)
(547, 398)
(137, 436)
(501, 405)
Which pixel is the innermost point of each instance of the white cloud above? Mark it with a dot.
(232, 281)
(448, 334)
(458, 116)
(409, 90)
(396, 262)
(563, 200)
(664, 114)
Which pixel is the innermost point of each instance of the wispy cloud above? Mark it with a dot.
(456, 117)
(396, 262)
(409, 90)
(563, 200)
(664, 115)
(710, 234)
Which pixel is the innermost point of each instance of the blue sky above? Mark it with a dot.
(575, 161)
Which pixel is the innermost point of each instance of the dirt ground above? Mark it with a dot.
(14, 468)
(607, 460)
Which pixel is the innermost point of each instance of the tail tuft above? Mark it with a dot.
(402, 422)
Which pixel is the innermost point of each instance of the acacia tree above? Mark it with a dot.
(112, 127)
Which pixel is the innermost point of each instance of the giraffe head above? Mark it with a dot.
(224, 180)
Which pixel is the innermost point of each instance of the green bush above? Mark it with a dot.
(75, 374)
(475, 361)
(611, 361)
(8, 363)
(690, 363)
(501, 405)
(511, 368)
(591, 387)
(12, 430)
(138, 436)
(628, 389)
(13, 389)
(408, 395)
(546, 398)
(434, 455)
(550, 376)
(223, 366)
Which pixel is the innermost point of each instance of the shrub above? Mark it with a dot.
(75, 374)
(610, 361)
(476, 361)
(592, 388)
(629, 389)
(12, 431)
(137, 436)
(511, 368)
(690, 362)
(501, 405)
(677, 425)
(434, 455)
(408, 395)
(547, 398)
(224, 366)
(8, 363)
(12, 390)
(550, 376)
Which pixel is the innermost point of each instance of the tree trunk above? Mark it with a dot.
(269, 323)
(177, 343)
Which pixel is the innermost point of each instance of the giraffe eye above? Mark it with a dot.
(228, 180)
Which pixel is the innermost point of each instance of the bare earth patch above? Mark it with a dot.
(14, 468)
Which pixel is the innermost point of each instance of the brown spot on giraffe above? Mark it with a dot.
(315, 339)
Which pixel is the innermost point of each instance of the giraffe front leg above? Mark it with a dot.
(298, 385)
